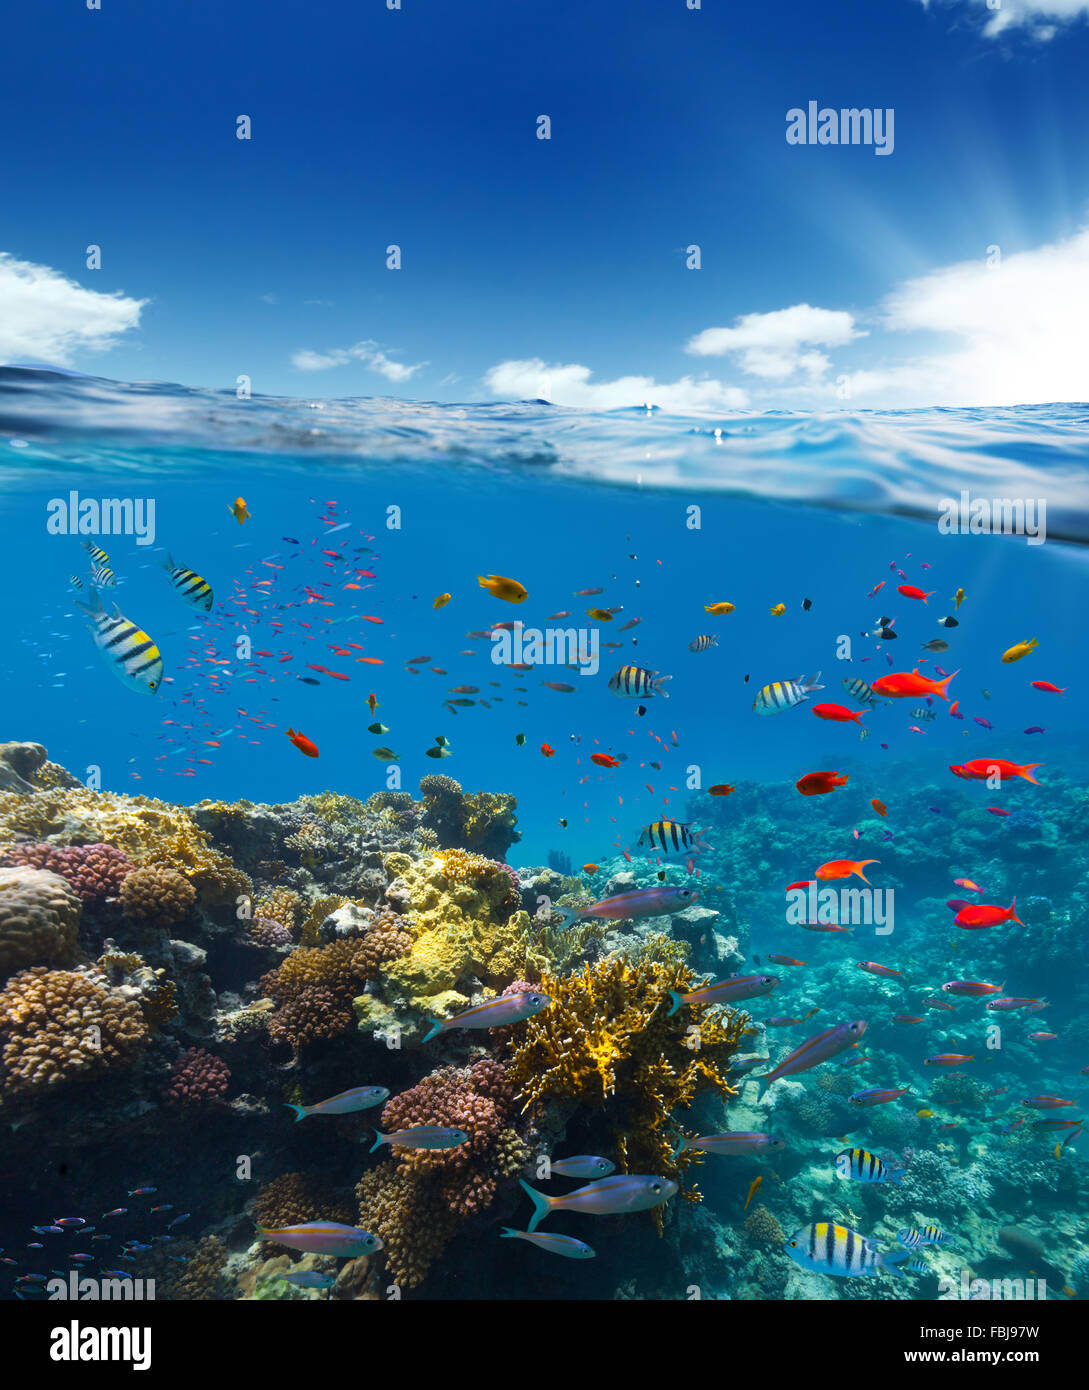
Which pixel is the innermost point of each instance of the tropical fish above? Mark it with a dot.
(978, 915)
(637, 682)
(910, 591)
(947, 1059)
(582, 1166)
(567, 1246)
(324, 1238)
(1047, 1102)
(720, 789)
(816, 1050)
(493, 1013)
(728, 991)
(302, 743)
(346, 1103)
(913, 1236)
(973, 988)
(378, 728)
(859, 1165)
(1019, 650)
(937, 644)
(128, 651)
(548, 751)
(844, 868)
(671, 837)
(623, 1192)
(904, 685)
(604, 760)
(948, 622)
(778, 610)
(871, 967)
(309, 1279)
(438, 752)
(442, 601)
(384, 755)
(738, 1144)
(753, 1188)
(876, 1095)
(785, 960)
(1007, 1005)
(1051, 689)
(238, 510)
(190, 586)
(820, 783)
(422, 1137)
(642, 902)
(781, 695)
(701, 643)
(879, 807)
(983, 768)
(103, 576)
(958, 598)
(830, 1249)
(500, 587)
(924, 712)
(718, 609)
(599, 615)
(859, 690)
(97, 554)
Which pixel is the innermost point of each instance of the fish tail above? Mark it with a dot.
(898, 1176)
(508, 1231)
(434, 1031)
(1026, 772)
(673, 1157)
(941, 687)
(93, 606)
(542, 1205)
(168, 562)
(890, 1263)
(1013, 913)
(569, 917)
(809, 683)
(300, 1110)
(656, 686)
(380, 1138)
(678, 1000)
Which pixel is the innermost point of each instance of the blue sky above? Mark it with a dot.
(552, 267)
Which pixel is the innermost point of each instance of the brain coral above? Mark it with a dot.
(157, 897)
(94, 871)
(39, 918)
(58, 1026)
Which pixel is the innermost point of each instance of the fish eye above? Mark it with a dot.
(793, 1245)
(656, 1187)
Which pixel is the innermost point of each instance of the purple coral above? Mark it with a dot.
(95, 872)
(197, 1078)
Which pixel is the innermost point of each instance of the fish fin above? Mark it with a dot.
(168, 562)
(542, 1205)
(434, 1031)
(940, 689)
(379, 1139)
(1027, 769)
(657, 683)
(93, 606)
(677, 1152)
(890, 1263)
(1013, 914)
(809, 683)
(300, 1110)
(898, 1176)
(508, 1231)
(569, 917)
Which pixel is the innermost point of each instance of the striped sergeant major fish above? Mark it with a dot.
(859, 690)
(829, 1249)
(97, 554)
(127, 649)
(911, 1236)
(103, 576)
(924, 712)
(859, 1165)
(636, 682)
(76, 582)
(781, 695)
(189, 585)
(672, 837)
(702, 642)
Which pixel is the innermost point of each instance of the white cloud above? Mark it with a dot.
(1040, 17)
(778, 345)
(570, 385)
(367, 352)
(1019, 332)
(44, 316)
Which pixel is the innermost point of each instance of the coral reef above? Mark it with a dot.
(484, 821)
(294, 1198)
(94, 871)
(39, 919)
(156, 897)
(197, 1078)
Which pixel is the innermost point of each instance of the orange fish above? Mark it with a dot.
(372, 702)
(589, 868)
(603, 760)
(838, 713)
(547, 751)
(753, 1189)
(303, 744)
(720, 789)
(844, 868)
(820, 783)
(879, 807)
(983, 768)
(906, 685)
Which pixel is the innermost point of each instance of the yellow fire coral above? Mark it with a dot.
(607, 1042)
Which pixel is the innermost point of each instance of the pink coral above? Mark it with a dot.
(94, 871)
(197, 1077)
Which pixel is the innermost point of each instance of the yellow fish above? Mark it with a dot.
(718, 609)
(442, 601)
(599, 615)
(238, 510)
(958, 598)
(778, 610)
(924, 1114)
(753, 1187)
(500, 587)
(1021, 649)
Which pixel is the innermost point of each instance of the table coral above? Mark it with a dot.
(39, 919)
(59, 1026)
(607, 1042)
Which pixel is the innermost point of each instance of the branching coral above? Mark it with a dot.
(607, 1042)
(58, 1026)
(39, 918)
(763, 1228)
(484, 821)
(156, 897)
(197, 1078)
(315, 1014)
(294, 1198)
(264, 931)
(282, 905)
(94, 871)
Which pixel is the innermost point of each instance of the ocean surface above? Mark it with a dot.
(359, 514)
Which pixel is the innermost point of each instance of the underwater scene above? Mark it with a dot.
(494, 852)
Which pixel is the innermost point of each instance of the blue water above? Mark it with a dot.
(663, 514)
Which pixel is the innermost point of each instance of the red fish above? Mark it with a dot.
(820, 783)
(547, 751)
(839, 713)
(303, 744)
(844, 868)
(906, 685)
(804, 883)
(879, 807)
(998, 767)
(720, 789)
(999, 811)
(978, 915)
(910, 591)
(1046, 685)
(603, 760)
